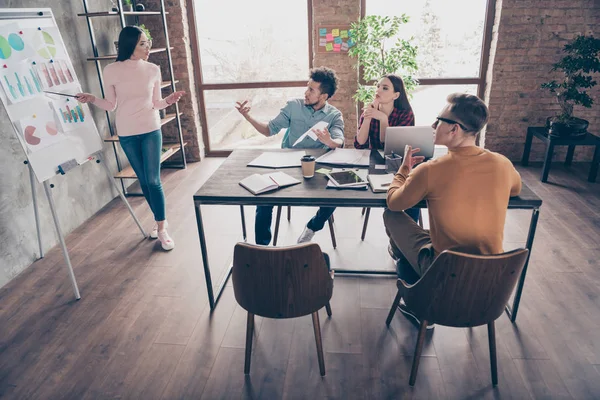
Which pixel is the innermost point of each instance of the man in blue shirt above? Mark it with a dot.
(298, 116)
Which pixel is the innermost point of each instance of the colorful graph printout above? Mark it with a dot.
(13, 46)
(39, 130)
(70, 113)
(20, 82)
(334, 38)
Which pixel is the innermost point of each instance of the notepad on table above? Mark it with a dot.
(262, 183)
(380, 183)
(278, 159)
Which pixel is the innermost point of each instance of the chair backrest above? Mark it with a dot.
(281, 282)
(462, 290)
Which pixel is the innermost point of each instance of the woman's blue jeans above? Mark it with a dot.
(143, 152)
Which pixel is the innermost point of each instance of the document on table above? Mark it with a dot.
(319, 125)
(278, 159)
(355, 157)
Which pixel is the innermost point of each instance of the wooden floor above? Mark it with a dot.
(143, 328)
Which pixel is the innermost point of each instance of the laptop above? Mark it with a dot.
(397, 137)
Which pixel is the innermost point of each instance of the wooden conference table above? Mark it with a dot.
(223, 188)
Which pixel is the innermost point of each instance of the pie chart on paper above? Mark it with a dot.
(29, 136)
(16, 42)
(5, 49)
(51, 128)
(44, 44)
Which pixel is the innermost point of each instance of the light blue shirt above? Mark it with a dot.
(298, 118)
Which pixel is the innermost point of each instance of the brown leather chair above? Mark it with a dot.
(462, 290)
(282, 282)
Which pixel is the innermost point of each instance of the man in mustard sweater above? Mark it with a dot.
(467, 193)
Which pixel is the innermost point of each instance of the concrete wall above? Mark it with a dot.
(84, 190)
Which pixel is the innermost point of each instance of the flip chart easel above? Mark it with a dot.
(57, 135)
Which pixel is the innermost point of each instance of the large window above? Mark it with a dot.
(249, 50)
(450, 37)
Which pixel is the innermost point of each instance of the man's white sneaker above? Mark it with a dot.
(165, 240)
(154, 232)
(306, 236)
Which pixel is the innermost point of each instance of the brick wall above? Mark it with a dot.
(179, 38)
(339, 12)
(528, 38)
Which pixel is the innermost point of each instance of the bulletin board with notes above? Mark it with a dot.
(333, 38)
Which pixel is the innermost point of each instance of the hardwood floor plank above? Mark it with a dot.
(342, 334)
(195, 366)
(143, 328)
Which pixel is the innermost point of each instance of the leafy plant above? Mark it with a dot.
(127, 2)
(146, 31)
(580, 60)
(369, 35)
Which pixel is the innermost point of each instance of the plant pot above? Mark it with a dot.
(570, 128)
(140, 7)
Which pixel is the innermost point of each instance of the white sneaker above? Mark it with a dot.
(306, 236)
(154, 232)
(166, 241)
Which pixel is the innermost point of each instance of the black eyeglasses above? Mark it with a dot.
(450, 121)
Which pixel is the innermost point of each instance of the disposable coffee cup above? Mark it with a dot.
(308, 166)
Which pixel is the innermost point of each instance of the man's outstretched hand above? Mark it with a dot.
(410, 160)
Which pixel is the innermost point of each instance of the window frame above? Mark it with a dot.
(202, 87)
(480, 81)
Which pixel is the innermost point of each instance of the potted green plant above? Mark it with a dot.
(146, 31)
(370, 35)
(127, 6)
(580, 61)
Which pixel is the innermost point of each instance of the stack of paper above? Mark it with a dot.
(278, 159)
(354, 157)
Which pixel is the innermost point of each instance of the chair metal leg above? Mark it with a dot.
(421, 217)
(493, 360)
(394, 308)
(418, 350)
(363, 211)
(277, 220)
(328, 309)
(289, 213)
(330, 222)
(249, 333)
(317, 328)
(364, 231)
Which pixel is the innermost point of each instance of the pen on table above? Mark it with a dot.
(386, 184)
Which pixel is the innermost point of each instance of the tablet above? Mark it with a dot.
(346, 178)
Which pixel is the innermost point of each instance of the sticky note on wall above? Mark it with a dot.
(329, 47)
(322, 42)
(322, 31)
(329, 37)
(344, 34)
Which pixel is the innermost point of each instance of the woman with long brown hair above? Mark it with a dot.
(389, 108)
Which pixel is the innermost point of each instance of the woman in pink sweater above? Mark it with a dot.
(133, 89)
